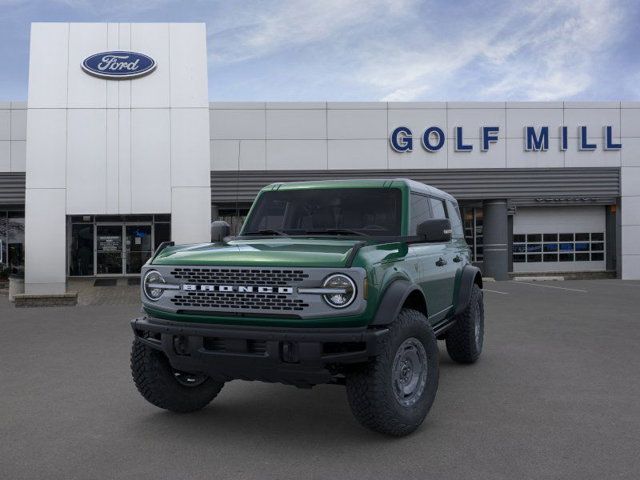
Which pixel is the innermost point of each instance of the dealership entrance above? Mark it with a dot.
(110, 245)
(122, 249)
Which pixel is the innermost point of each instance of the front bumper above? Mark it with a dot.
(298, 356)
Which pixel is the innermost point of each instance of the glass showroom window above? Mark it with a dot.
(472, 222)
(161, 229)
(12, 241)
(81, 248)
(235, 218)
(558, 247)
(4, 271)
(114, 244)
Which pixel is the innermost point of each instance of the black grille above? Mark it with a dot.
(255, 347)
(243, 276)
(238, 301)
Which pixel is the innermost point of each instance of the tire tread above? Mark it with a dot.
(460, 339)
(368, 387)
(154, 380)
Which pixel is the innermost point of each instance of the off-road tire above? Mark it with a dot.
(462, 345)
(156, 382)
(370, 388)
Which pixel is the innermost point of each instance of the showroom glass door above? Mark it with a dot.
(109, 250)
(138, 247)
(122, 249)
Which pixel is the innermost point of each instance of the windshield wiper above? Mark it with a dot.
(338, 231)
(267, 231)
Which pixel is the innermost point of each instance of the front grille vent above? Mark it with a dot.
(238, 301)
(243, 276)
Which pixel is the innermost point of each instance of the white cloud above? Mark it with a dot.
(285, 25)
(563, 59)
(410, 75)
(541, 50)
(392, 50)
(549, 51)
(94, 6)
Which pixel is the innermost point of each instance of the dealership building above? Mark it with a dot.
(118, 148)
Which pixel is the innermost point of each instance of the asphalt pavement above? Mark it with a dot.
(556, 394)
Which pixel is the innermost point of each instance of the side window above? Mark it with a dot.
(456, 222)
(437, 206)
(419, 211)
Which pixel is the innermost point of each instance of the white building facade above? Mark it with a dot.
(96, 171)
(113, 147)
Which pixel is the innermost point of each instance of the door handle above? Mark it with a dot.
(457, 259)
(441, 262)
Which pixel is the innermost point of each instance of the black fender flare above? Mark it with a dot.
(470, 275)
(392, 301)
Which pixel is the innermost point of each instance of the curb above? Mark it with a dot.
(538, 279)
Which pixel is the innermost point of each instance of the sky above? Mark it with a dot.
(377, 50)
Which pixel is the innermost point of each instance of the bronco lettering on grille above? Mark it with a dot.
(237, 288)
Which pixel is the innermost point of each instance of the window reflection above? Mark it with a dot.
(472, 222)
(11, 242)
(572, 247)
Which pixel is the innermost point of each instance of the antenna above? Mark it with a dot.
(237, 188)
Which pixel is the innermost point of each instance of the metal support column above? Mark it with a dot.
(496, 239)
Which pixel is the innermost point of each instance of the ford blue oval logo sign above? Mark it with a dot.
(118, 65)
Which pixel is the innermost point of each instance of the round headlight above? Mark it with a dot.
(345, 290)
(150, 285)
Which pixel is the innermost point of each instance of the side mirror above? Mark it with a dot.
(219, 230)
(436, 230)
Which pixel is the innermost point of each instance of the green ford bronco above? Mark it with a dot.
(342, 282)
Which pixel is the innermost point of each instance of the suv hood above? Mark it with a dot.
(281, 252)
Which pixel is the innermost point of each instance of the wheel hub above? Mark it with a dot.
(405, 371)
(409, 374)
(189, 379)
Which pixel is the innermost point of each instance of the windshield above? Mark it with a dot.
(335, 211)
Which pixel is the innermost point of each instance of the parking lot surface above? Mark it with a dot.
(554, 395)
